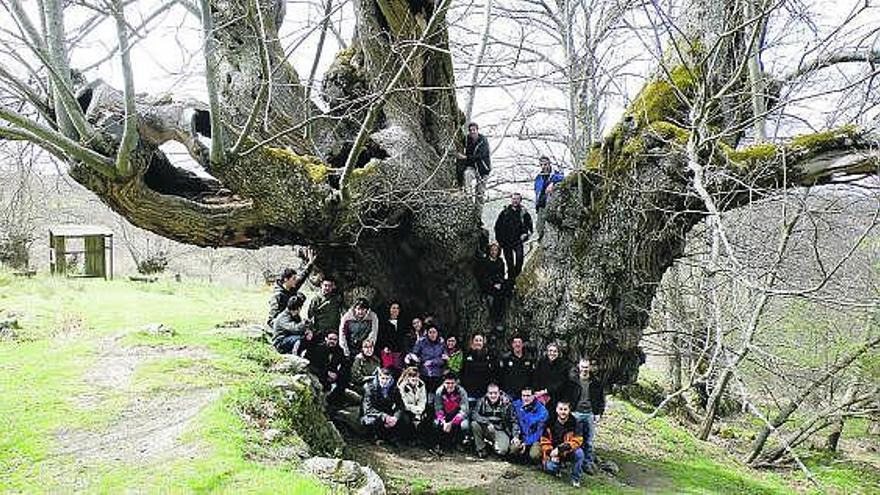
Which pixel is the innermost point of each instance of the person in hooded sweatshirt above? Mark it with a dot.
(384, 410)
(551, 377)
(358, 324)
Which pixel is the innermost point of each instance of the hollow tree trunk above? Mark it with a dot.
(400, 228)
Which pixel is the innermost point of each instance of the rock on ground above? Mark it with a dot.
(347, 475)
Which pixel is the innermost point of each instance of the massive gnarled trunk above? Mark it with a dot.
(370, 182)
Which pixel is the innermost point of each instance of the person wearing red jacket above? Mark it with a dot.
(562, 440)
(451, 413)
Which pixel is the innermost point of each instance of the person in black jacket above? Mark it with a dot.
(493, 281)
(327, 362)
(475, 164)
(391, 331)
(512, 228)
(285, 287)
(384, 410)
(587, 397)
(551, 377)
(477, 368)
(516, 367)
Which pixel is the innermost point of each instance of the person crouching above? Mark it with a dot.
(384, 409)
(450, 413)
(493, 419)
(562, 440)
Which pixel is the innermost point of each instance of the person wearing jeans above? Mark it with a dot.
(562, 441)
(588, 402)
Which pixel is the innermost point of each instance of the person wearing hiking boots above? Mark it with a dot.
(493, 419)
(531, 416)
(562, 441)
(516, 367)
(325, 309)
(588, 401)
(384, 411)
(450, 414)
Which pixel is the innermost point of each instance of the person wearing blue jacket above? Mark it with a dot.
(531, 416)
(429, 354)
(544, 182)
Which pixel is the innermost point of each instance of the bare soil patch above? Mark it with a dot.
(413, 470)
(150, 425)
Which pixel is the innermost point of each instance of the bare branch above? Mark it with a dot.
(129, 134)
(217, 150)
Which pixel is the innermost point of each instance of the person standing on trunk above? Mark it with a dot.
(474, 164)
(512, 228)
(544, 184)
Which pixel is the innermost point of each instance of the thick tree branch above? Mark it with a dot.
(813, 159)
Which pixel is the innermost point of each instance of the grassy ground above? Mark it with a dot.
(79, 371)
(45, 389)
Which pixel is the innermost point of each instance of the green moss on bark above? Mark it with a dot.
(820, 140)
(316, 169)
(663, 97)
(753, 154)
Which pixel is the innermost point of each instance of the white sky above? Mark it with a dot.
(168, 60)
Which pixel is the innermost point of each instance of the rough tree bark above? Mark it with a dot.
(401, 229)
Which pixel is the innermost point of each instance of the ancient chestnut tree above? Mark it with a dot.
(367, 179)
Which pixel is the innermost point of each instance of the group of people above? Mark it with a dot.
(405, 383)
(513, 227)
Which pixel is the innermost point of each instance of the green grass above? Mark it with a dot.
(65, 321)
(41, 374)
(668, 459)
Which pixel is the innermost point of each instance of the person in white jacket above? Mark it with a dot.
(415, 398)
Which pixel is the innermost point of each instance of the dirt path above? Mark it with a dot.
(149, 426)
(413, 470)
